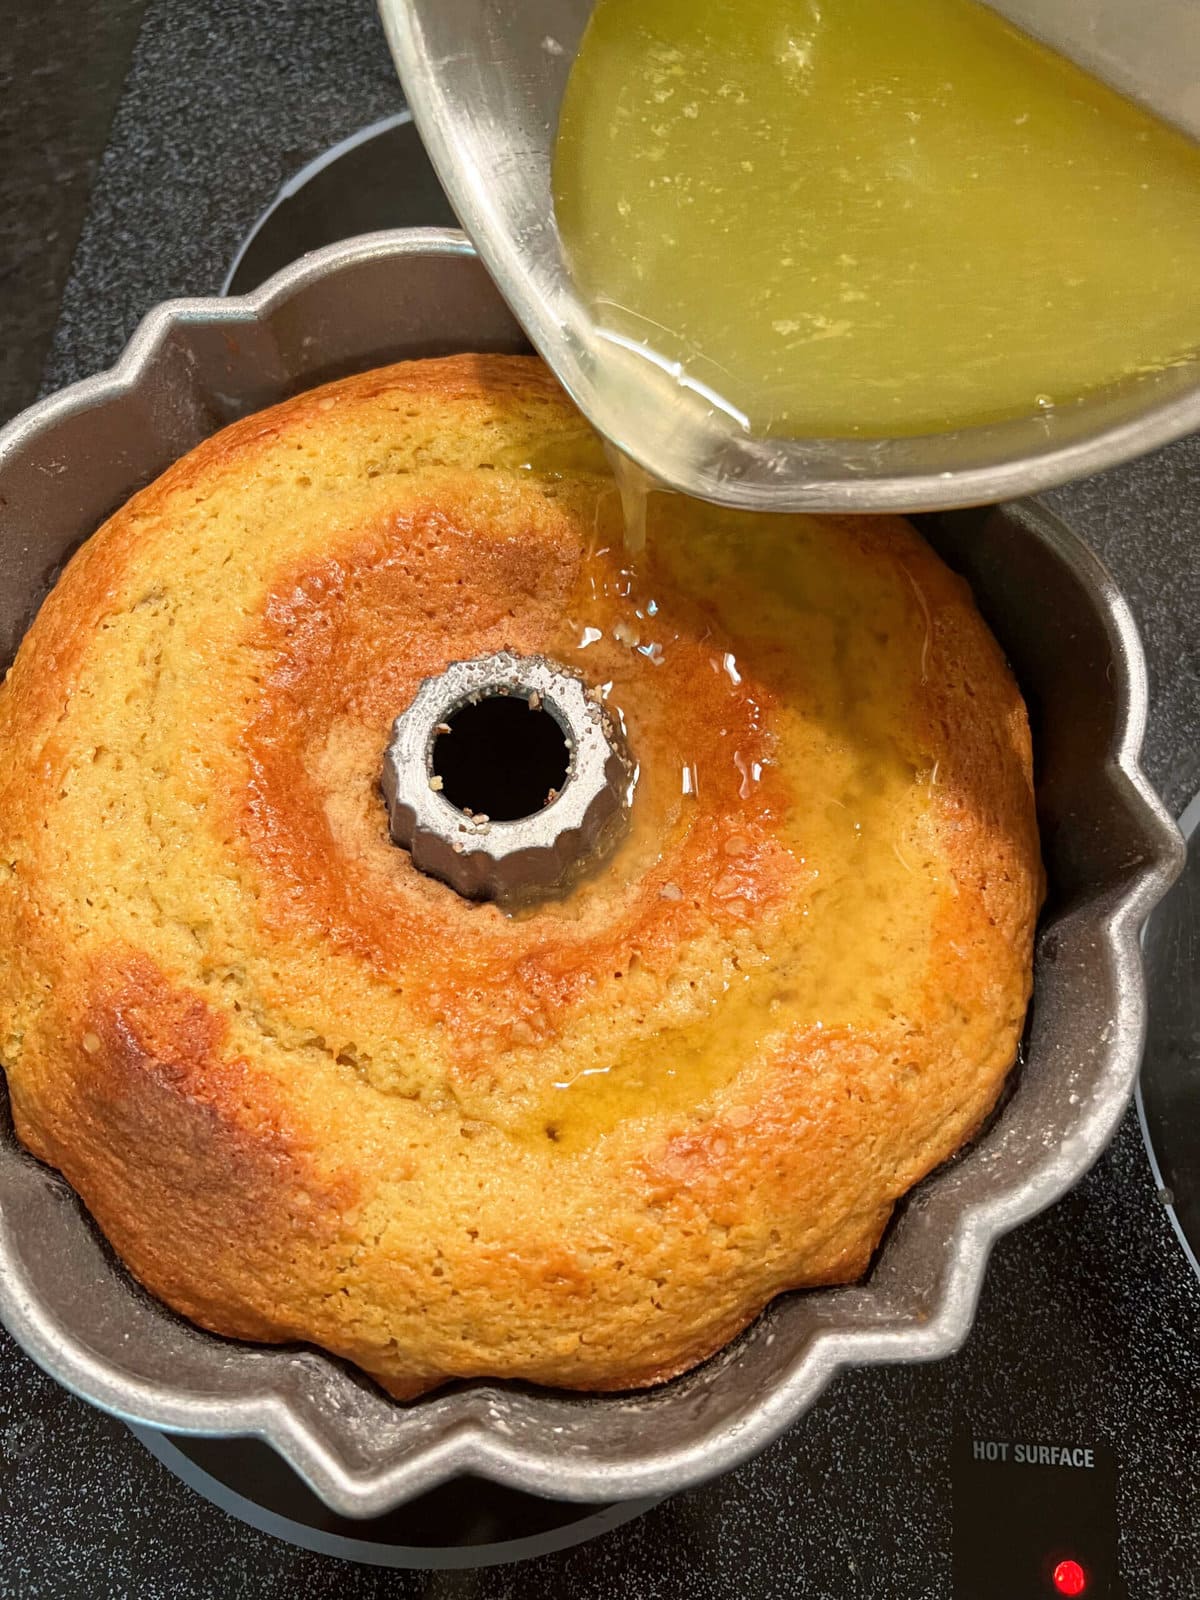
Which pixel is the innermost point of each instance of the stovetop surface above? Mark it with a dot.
(1088, 1333)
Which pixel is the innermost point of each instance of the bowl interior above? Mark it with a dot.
(488, 117)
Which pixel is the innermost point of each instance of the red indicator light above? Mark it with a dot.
(1070, 1578)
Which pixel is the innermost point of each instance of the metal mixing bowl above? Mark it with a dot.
(485, 82)
(1110, 849)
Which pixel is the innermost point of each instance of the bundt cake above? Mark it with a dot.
(309, 1092)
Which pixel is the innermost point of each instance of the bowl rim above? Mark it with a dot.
(469, 1445)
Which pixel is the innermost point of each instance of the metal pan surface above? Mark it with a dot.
(1111, 852)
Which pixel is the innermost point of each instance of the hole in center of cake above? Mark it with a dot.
(501, 756)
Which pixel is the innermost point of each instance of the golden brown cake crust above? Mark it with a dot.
(308, 1093)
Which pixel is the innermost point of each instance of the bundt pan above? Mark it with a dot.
(1110, 852)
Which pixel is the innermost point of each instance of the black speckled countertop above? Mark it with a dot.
(1089, 1325)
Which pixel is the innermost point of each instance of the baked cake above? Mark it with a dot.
(310, 1093)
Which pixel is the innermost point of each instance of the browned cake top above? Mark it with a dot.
(309, 1092)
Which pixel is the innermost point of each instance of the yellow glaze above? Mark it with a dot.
(838, 645)
(871, 217)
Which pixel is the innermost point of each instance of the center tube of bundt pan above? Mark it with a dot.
(507, 778)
